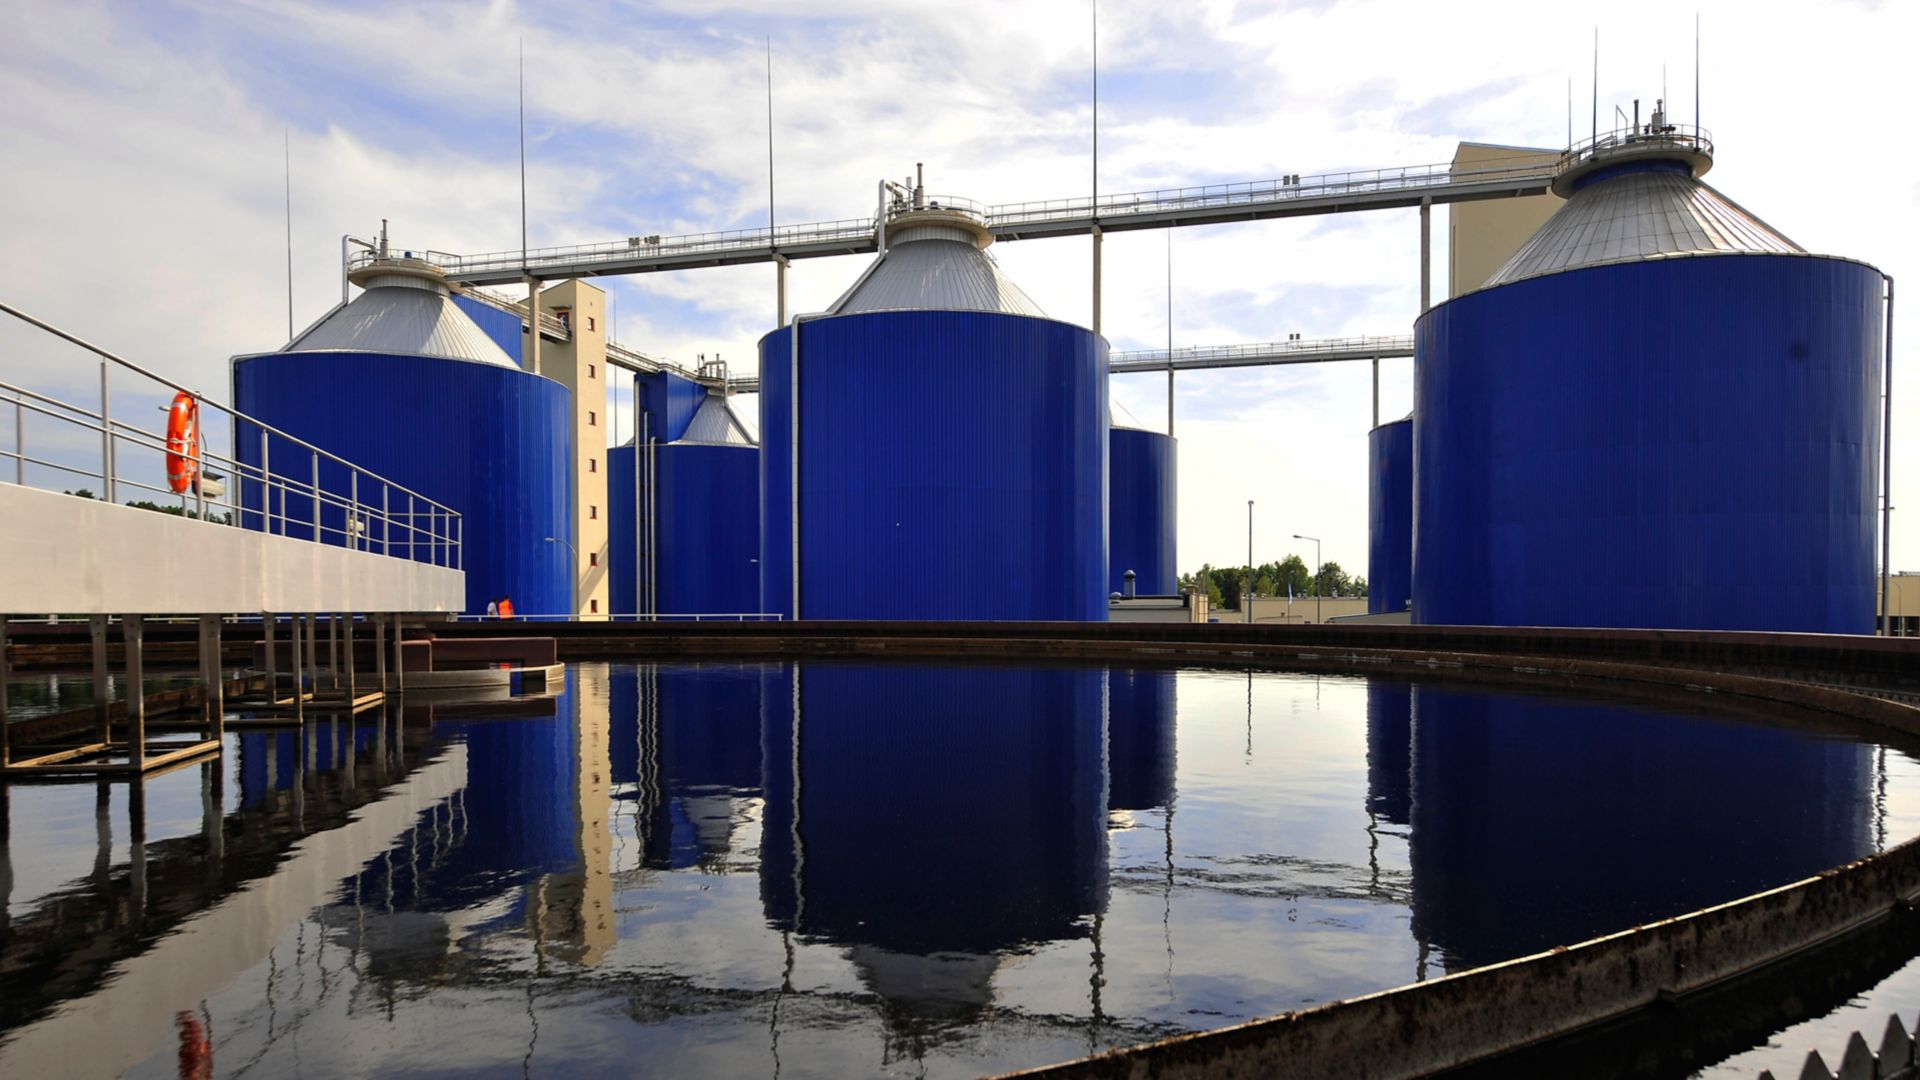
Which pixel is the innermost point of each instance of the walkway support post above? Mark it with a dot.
(346, 634)
(399, 668)
(6, 751)
(380, 651)
(133, 633)
(102, 692)
(294, 646)
(273, 662)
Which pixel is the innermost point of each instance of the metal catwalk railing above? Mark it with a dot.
(1299, 351)
(1295, 194)
(314, 495)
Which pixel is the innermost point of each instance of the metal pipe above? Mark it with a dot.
(1097, 237)
(793, 449)
(1886, 471)
(19, 443)
(639, 554)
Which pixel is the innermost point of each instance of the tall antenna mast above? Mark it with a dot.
(523, 167)
(1096, 108)
(286, 145)
(1596, 84)
(1696, 73)
(1569, 110)
(769, 141)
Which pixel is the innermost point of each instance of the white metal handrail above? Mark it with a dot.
(1675, 136)
(372, 513)
(1359, 347)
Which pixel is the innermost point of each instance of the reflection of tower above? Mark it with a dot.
(933, 818)
(573, 909)
(1140, 738)
(1389, 751)
(1540, 822)
(686, 753)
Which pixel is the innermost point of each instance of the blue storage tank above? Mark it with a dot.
(1659, 413)
(402, 383)
(684, 531)
(1141, 511)
(1390, 517)
(952, 449)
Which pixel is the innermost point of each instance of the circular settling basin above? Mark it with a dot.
(831, 869)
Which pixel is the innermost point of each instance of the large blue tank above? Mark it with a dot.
(684, 534)
(953, 446)
(1141, 511)
(1390, 517)
(1659, 413)
(403, 384)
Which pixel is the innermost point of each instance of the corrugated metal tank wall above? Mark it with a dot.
(706, 505)
(953, 466)
(492, 442)
(1390, 517)
(502, 328)
(1684, 443)
(1142, 505)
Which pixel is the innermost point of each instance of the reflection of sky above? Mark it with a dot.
(1262, 887)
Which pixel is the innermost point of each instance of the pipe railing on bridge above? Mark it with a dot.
(348, 506)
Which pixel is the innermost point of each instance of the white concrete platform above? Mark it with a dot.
(72, 556)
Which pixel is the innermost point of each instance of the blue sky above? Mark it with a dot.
(143, 144)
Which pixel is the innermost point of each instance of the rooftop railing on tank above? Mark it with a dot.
(1682, 137)
(293, 489)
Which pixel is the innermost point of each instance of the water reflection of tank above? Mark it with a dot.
(931, 818)
(686, 752)
(530, 821)
(1390, 750)
(1539, 822)
(1140, 738)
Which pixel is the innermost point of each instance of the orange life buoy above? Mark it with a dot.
(183, 442)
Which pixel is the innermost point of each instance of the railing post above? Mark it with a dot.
(266, 488)
(316, 496)
(386, 518)
(460, 543)
(410, 555)
(106, 439)
(19, 442)
(353, 512)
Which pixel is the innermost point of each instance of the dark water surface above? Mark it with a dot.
(846, 870)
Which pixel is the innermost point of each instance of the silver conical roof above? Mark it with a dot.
(1631, 216)
(404, 315)
(936, 266)
(714, 424)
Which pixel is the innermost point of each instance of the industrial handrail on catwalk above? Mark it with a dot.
(1290, 195)
(372, 514)
(1297, 351)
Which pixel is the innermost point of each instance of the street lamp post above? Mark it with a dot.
(1316, 573)
(1246, 592)
(573, 572)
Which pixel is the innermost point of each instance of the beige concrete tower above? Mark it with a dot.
(580, 364)
(1482, 236)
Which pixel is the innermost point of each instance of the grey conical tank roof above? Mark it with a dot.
(1641, 213)
(403, 314)
(935, 262)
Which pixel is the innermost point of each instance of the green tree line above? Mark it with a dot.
(1223, 583)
